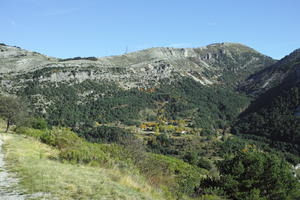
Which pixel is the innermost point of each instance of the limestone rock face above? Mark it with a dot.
(223, 63)
(15, 59)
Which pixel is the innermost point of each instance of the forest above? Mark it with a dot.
(277, 122)
(206, 107)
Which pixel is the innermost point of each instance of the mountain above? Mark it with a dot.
(284, 72)
(274, 114)
(213, 64)
(195, 84)
(271, 81)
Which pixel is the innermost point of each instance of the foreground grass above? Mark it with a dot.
(39, 171)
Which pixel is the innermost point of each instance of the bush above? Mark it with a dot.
(36, 133)
(38, 123)
(179, 176)
(57, 137)
(84, 153)
(107, 155)
(191, 157)
(207, 132)
(204, 163)
(64, 138)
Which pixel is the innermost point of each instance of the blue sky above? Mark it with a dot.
(69, 28)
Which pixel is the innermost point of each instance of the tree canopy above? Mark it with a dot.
(12, 109)
(254, 175)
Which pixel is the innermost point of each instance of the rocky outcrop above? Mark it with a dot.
(147, 68)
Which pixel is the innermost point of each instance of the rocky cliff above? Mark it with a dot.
(223, 63)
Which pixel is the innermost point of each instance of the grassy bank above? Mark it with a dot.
(39, 171)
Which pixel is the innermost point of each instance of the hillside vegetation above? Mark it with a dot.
(205, 107)
(144, 175)
(67, 167)
(40, 170)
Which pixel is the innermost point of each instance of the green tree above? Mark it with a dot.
(12, 109)
(38, 123)
(255, 175)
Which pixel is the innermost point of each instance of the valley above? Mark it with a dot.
(180, 122)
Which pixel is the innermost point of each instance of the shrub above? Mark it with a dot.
(191, 157)
(108, 155)
(36, 133)
(57, 137)
(38, 123)
(63, 138)
(84, 153)
(204, 163)
(207, 132)
(181, 177)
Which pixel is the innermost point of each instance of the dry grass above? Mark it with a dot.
(39, 171)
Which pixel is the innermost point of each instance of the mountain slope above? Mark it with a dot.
(16, 60)
(284, 72)
(274, 114)
(272, 81)
(193, 84)
(51, 179)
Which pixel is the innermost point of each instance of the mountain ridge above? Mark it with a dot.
(220, 44)
(282, 72)
(206, 65)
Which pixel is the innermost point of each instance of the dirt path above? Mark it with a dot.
(7, 181)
